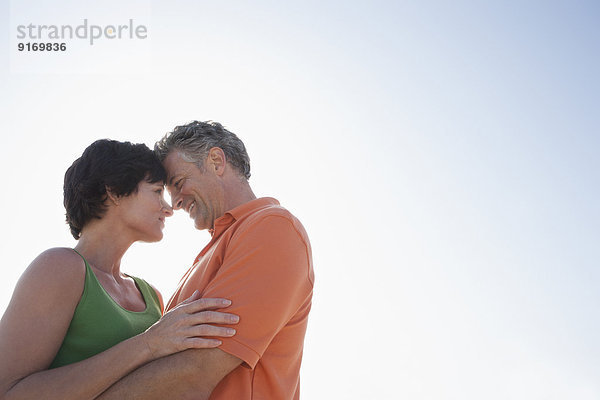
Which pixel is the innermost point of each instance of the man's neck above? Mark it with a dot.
(238, 194)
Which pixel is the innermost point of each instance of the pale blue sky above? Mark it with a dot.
(443, 157)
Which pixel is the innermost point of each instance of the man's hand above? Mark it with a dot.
(184, 326)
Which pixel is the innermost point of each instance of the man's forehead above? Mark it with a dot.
(177, 165)
(173, 164)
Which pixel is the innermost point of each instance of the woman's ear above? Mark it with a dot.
(112, 196)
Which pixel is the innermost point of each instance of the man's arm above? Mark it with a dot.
(191, 374)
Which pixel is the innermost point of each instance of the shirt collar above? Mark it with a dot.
(239, 212)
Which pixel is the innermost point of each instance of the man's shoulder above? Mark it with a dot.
(271, 209)
(271, 214)
(272, 218)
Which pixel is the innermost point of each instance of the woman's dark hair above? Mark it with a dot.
(106, 164)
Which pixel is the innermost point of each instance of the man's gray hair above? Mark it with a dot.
(195, 139)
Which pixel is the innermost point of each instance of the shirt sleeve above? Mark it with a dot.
(267, 275)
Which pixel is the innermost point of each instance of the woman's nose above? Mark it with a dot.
(168, 209)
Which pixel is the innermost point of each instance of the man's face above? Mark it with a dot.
(199, 193)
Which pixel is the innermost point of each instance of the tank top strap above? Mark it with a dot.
(91, 284)
(87, 266)
(147, 291)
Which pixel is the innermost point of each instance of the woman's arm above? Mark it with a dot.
(38, 316)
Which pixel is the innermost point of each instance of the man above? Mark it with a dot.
(259, 257)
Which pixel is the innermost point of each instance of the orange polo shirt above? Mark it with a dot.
(260, 258)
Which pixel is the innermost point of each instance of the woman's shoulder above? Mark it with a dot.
(59, 266)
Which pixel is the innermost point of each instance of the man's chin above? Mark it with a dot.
(202, 225)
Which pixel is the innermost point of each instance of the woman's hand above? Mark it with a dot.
(185, 326)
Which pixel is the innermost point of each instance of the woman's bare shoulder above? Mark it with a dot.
(39, 313)
(59, 266)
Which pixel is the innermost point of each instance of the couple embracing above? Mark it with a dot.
(77, 327)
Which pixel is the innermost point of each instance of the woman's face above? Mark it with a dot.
(143, 213)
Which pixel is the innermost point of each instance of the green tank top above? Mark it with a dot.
(99, 322)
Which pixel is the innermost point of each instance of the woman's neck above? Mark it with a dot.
(102, 250)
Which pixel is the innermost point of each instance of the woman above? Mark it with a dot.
(75, 324)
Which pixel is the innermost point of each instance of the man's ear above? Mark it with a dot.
(216, 160)
(112, 196)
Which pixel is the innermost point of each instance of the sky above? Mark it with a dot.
(442, 156)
